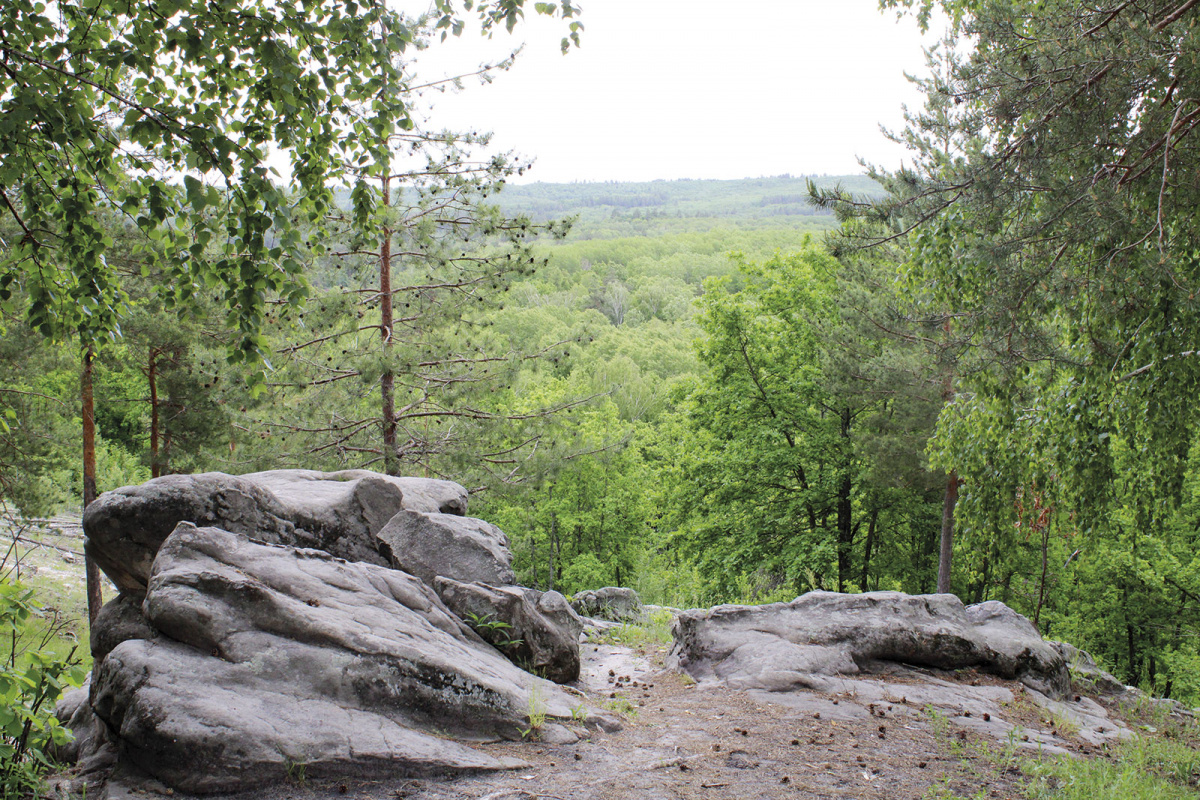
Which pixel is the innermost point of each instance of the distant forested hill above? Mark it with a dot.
(620, 209)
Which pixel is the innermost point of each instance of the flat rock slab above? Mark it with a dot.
(822, 635)
(272, 659)
(984, 708)
(338, 512)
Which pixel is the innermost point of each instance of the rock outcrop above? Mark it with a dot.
(537, 630)
(1086, 674)
(444, 545)
(612, 603)
(270, 658)
(119, 620)
(338, 512)
(821, 635)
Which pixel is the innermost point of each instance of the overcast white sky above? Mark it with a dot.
(694, 89)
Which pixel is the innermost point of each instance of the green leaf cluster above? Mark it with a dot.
(31, 681)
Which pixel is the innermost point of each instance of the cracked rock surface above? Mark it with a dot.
(338, 512)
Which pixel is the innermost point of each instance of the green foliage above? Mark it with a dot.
(105, 105)
(1143, 769)
(423, 381)
(296, 771)
(622, 706)
(536, 714)
(32, 455)
(655, 629)
(493, 630)
(31, 680)
(1047, 218)
(785, 437)
(586, 572)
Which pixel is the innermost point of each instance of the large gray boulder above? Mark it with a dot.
(785, 646)
(536, 630)
(338, 512)
(613, 603)
(269, 659)
(449, 546)
(1086, 675)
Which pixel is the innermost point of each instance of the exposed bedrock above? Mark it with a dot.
(338, 512)
(819, 635)
(257, 660)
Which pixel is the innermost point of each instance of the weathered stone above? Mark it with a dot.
(274, 659)
(443, 545)
(538, 631)
(74, 713)
(119, 620)
(338, 512)
(1085, 672)
(612, 603)
(306, 487)
(783, 646)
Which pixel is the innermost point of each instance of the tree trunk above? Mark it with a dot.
(387, 381)
(1037, 615)
(152, 379)
(870, 545)
(845, 510)
(553, 541)
(980, 592)
(533, 556)
(553, 546)
(845, 532)
(95, 597)
(1130, 636)
(951, 496)
(947, 545)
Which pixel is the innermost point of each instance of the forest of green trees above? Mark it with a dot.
(977, 374)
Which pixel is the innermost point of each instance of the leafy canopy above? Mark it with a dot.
(169, 110)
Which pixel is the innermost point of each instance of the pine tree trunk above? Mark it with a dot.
(387, 381)
(95, 597)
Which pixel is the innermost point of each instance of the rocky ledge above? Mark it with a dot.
(820, 636)
(287, 622)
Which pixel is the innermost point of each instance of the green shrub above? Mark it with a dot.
(31, 681)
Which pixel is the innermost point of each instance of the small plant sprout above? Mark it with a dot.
(296, 771)
(536, 716)
(492, 630)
